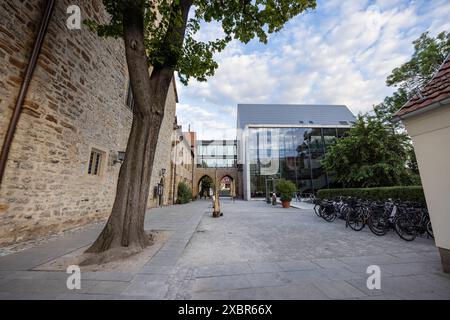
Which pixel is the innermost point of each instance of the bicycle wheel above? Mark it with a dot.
(328, 216)
(405, 228)
(317, 208)
(379, 224)
(345, 212)
(355, 220)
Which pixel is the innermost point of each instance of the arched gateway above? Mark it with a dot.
(218, 175)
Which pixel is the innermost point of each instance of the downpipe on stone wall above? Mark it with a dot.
(24, 86)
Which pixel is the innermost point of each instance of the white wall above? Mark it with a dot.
(430, 132)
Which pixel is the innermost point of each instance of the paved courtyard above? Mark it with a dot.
(255, 251)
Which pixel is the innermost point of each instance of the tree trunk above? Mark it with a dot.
(124, 232)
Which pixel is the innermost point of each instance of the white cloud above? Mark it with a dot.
(207, 124)
(340, 54)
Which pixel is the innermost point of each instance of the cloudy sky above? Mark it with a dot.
(341, 53)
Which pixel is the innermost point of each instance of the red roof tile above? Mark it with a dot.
(436, 90)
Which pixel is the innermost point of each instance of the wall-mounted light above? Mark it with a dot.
(163, 171)
(120, 157)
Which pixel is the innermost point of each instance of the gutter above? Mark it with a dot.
(24, 86)
(428, 108)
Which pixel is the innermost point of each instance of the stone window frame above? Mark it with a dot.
(102, 165)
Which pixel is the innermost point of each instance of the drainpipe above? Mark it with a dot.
(24, 86)
(193, 168)
(175, 172)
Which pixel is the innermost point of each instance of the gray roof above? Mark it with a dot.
(292, 114)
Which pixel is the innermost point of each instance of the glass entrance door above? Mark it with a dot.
(270, 186)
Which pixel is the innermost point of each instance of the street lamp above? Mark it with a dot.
(120, 157)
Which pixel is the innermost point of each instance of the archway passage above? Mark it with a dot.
(205, 186)
(226, 187)
(219, 174)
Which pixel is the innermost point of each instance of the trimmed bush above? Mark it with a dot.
(184, 193)
(403, 193)
(286, 188)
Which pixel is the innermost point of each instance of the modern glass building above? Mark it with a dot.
(287, 141)
(216, 153)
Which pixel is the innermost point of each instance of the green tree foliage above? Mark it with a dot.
(376, 152)
(385, 111)
(184, 193)
(412, 161)
(371, 155)
(429, 54)
(243, 20)
(205, 185)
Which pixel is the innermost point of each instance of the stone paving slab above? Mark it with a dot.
(262, 267)
(304, 291)
(338, 289)
(33, 257)
(304, 276)
(255, 251)
(272, 279)
(297, 265)
(221, 283)
(223, 270)
(250, 294)
(342, 274)
(212, 295)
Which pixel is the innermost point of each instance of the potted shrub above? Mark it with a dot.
(286, 189)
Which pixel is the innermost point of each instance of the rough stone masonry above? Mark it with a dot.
(76, 104)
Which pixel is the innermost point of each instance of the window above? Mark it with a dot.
(130, 99)
(95, 162)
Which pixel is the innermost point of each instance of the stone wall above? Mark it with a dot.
(163, 156)
(76, 101)
(182, 162)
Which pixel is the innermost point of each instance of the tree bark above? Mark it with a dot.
(124, 233)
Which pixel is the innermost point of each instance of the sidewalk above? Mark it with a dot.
(302, 205)
(254, 251)
(153, 281)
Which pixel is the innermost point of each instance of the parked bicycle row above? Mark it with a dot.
(407, 219)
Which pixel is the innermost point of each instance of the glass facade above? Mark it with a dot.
(216, 153)
(290, 153)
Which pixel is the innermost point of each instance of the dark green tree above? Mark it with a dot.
(159, 39)
(205, 185)
(385, 111)
(184, 193)
(429, 54)
(371, 155)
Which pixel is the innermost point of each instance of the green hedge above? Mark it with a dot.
(407, 193)
(184, 193)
